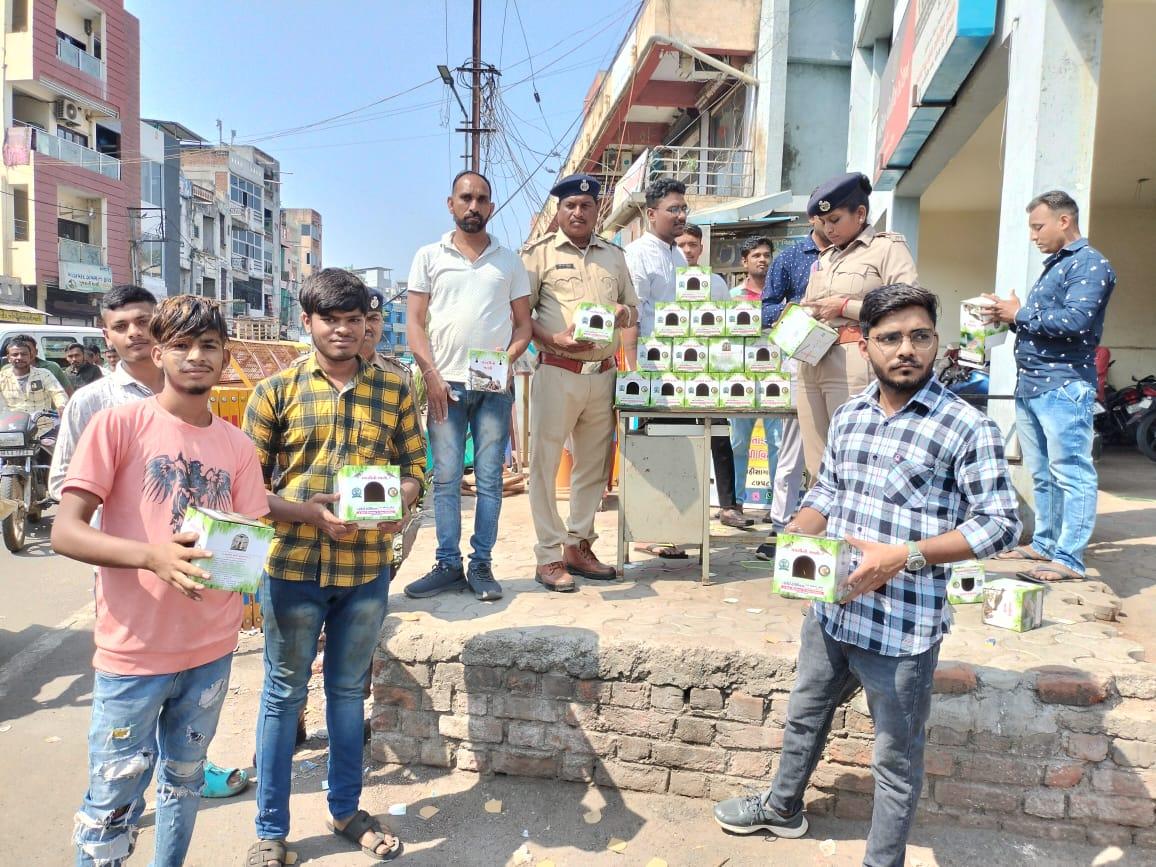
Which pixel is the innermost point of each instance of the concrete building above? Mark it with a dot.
(393, 340)
(291, 278)
(964, 112)
(300, 257)
(739, 99)
(71, 181)
(156, 232)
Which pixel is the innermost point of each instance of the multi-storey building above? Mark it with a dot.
(155, 232)
(303, 228)
(393, 340)
(71, 183)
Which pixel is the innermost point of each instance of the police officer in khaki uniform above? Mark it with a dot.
(858, 260)
(572, 396)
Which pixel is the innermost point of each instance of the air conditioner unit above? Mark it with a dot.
(68, 112)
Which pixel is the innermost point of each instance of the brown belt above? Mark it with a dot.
(574, 365)
(849, 334)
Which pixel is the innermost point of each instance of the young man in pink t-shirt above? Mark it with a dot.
(164, 642)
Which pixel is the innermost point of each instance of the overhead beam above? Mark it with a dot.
(668, 94)
(645, 134)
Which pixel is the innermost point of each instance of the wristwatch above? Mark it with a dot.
(915, 558)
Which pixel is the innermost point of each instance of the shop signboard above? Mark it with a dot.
(81, 277)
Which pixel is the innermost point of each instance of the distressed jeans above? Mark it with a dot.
(1055, 431)
(294, 613)
(487, 415)
(140, 722)
(898, 690)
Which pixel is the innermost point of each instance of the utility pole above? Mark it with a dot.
(479, 72)
(476, 118)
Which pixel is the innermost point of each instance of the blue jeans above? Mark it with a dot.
(138, 722)
(1055, 431)
(487, 415)
(741, 431)
(294, 613)
(898, 692)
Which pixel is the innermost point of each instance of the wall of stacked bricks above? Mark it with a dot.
(1057, 753)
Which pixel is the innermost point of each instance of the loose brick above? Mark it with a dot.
(1045, 803)
(1064, 775)
(570, 740)
(1134, 812)
(954, 678)
(481, 729)
(706, 699)
(777, 715)
(938, 763)
(853, 807)
(747, 764)
(577, 769)
(471, 704)
(1133, 783)
(843, 777)
(524, 763)
(520, 682)
(742, 706)
(635, 695)
(557, 686)
(588, 690)
(688, 783)
(1109, 835)
(469, 759)
(976, 796)
(437, 753)
(526, 734)
(818, 803)
(481, 678)
(384, 718)
(685, 756)
(1137, 684)
(633, 749)
(418, 673)
(520, 707)
(861, 723)
(850, 751)
(694, 730)
(948, 737)
(1061, 685)
(1090, 748)
(1133, 754)
(747, 737)
(636, 778)
(667, 698)
(988, 768)
(396, 695)
(634, 722)
(438, 697)
(416, 723)
(450, 674)
(393, 748)
(1065, 832)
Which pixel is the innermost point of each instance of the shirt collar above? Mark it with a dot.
(927, 397)
(310, 366)
(658, 242)
(560, 241)
(808, 245)
(448, 244)
(122, 377)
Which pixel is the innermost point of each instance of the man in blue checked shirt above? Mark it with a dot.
(1057, 331)
(914, 478)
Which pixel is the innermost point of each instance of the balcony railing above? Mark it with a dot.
(79, 58)
(80, 253)
(70, 152)
(726, 172)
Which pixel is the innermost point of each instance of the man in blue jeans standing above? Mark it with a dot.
(914, 478)
(466, 292)
(1057, 331)
(331, 410)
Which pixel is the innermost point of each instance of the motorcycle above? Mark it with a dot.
(1122, 413)
(26, 441)
(970, 383)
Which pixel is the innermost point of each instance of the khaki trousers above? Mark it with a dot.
(579, 408)
(823, 388)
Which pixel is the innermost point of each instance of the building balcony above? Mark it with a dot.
(77, 155)
(80, 59)
(724, 172)
(80, 253)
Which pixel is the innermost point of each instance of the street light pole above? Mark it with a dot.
(476, 117)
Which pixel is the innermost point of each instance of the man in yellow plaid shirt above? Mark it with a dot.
(307, 422)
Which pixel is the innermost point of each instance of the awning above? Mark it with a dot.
(753, 209)
(21, 313)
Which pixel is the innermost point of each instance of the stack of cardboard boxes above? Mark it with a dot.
(705, 354)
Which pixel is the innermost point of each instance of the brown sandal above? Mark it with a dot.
(265, 852)
(1050, 573)
(1022, 552)
(361, 824)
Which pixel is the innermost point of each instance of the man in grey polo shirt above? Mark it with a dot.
(466, 292)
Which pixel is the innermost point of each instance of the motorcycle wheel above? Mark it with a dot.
(12, 488)
(1146, 435)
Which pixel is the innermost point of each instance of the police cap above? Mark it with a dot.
(849, 190)
(376, 301)
(576, 185)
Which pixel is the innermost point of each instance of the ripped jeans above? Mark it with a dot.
(138, 722)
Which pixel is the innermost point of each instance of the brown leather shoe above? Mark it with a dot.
(580, 560)
(553, 576)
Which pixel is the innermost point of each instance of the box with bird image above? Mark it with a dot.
(743, 318)
(702, 391)
(966, 582)
(632, 388)
(800, 335)
(736, 391)
(489, 370)
(1010, 603)
(724, 355)
(773, 390)
(707, 319)
(655, 355)
(977, 334)
(667, 390)
(671, 319)
(761, 355)
(692, 283)
(368, 495)
(239, 546)
(689, 356)
(594, 323)
(812, 567)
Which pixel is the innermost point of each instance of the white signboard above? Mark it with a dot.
(79, 277)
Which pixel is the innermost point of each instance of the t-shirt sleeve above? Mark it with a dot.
(638, 276)
(519, 279)
(249, 495)
(97, 455)
(419, 277)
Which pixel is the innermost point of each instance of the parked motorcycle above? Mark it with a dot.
(26, 441)
(1122, 411)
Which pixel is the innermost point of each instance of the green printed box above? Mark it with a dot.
(811, 567)
(369, 495)
(489, 370)
(701, 391)
(654, 355)
(632, 388)
(692, 283)
(689, 356)
(594, 323)
(1013, 604)
(762, 355)
(239, 546)
(743, 318)
(724, 355)
(736, 391)
(667, 390)
(977, 336)
(966, 582)
(671, 319)
(800, 335)
(707, 319)
(773, 390)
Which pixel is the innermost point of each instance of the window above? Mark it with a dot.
(245, 193)
(308, 258)
(20, 16)
(152, 180)
(250, 244)
(305, 230)
(20, 213)
(152, 259)
(72, 136)
(72, 230)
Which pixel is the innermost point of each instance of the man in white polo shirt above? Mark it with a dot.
(466, 292)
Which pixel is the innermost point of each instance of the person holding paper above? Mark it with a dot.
(859, 259)
(164, 643)
(467, 294)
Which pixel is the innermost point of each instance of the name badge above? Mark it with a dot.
(36, 386)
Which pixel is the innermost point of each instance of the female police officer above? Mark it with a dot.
(858, 260)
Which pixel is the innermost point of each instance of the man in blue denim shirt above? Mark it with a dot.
(787, 279)
(1057, 331)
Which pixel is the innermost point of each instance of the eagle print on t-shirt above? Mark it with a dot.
(186, 482)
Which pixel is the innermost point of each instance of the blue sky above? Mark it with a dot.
(379, 176)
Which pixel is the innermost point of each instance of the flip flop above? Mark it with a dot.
(361, 824)
(1052, 573)
(1022, 552)
(666, 552)
(217, 783)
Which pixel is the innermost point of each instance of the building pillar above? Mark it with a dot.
(1053, 90)
(771, 96)
(904, 219)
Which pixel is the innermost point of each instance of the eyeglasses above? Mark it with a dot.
(675, 210)
(922, 338)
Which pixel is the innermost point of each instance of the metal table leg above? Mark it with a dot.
(622, 557)
(706, 465)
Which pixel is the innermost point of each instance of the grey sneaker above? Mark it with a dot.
(750, 814)
(480, 577)
(442, 577)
